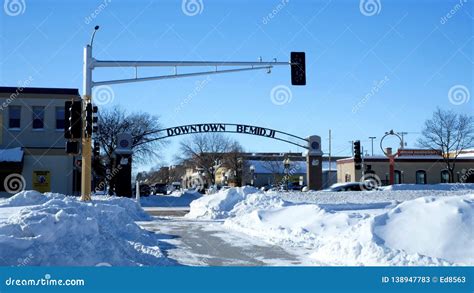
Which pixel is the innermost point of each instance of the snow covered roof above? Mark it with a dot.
(466, 154)
(11, 155)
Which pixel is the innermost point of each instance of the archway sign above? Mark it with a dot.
(312, 143)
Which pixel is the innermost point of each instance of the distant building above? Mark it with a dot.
(31, 139)
(263, 169)
(411, 166)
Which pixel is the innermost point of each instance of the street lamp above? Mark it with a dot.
(388, 153)
(286, 164)
(252, 174)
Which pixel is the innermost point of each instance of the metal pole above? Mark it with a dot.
(352, 146)
(137, 192)
(372, 141)
(86, 141)
(329, 159)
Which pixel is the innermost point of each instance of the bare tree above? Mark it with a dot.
(449, 133)
(205, 151)
(275, 167)
(235, 162)
(141, 125)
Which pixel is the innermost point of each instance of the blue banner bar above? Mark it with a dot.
(237, 279)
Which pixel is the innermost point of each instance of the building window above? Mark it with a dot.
(420, 177)
(38, 117)
(59, 117)
(444, 176)
(397, 178)
(14, 114)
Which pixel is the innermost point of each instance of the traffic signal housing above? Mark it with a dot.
(357, 155)
(96, 150)
(73, 119)
(72, 147)
(298, 68)
(88, 121)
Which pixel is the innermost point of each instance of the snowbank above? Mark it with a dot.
(438, 227)
(64, 231)
(424, 231)
(218, 205)
(28, 198)
(441, 186)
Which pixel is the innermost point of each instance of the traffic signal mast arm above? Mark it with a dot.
(175, 64)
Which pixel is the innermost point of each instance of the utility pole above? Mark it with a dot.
(402, 134)
(372, 142)
(297, 64)
(329, 159)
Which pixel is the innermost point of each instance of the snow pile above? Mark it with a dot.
(218, 205)
(422, 231)
(175, 199)
(28, 198)
(441, 186)
(444, 228)
(67, 232)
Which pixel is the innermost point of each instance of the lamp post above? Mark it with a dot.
(388, 153)
(286, 164)
(252, 174)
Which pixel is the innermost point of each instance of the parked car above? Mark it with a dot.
(353, 186)
(291, 186)
(160, 188)
(145, 190)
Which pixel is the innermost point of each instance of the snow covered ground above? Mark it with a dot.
(398, 226)
(56, 230)
(401, 225)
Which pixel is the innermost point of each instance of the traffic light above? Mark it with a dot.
(298, 68)
(72, 147)
(90, 120)
(73, 119)
(357, 155)
(96, 150)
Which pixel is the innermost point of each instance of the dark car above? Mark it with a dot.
(352, 186)
(160, 188)
(145, 190)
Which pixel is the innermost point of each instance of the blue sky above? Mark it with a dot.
(365, 74)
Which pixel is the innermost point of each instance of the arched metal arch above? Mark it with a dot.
(229, 128)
